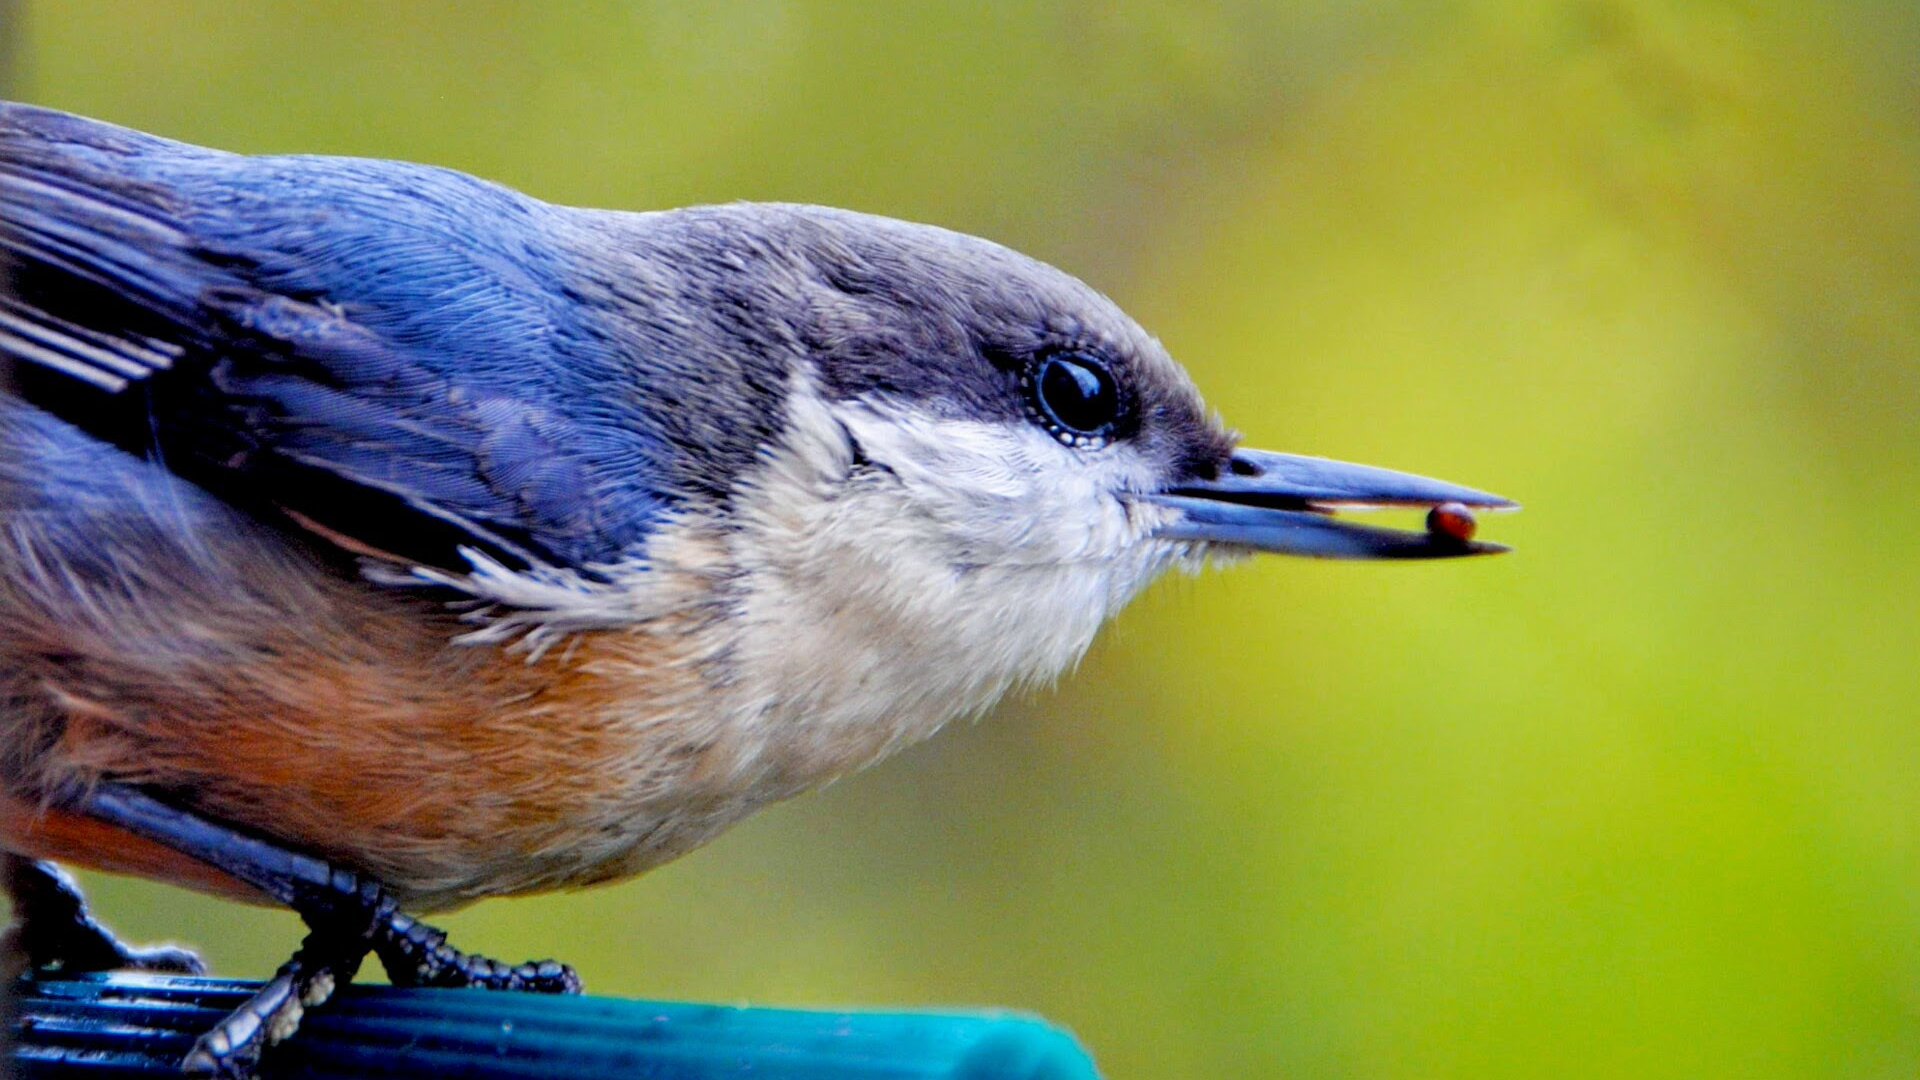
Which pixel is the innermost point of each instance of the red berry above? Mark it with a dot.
(1451, 520)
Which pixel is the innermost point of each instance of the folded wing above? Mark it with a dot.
(373, 347)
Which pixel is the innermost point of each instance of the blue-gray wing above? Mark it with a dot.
(385, 350)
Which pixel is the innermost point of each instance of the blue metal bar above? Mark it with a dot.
(119, 1025)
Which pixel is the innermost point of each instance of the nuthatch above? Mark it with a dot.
(375, 537)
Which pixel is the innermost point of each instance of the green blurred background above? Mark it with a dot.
(1641, 800)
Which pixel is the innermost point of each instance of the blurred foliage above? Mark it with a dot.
(1641, 800)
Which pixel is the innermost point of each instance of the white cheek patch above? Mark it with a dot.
(968, 557)
(1001, 494)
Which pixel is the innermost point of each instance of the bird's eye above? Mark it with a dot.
(1074, 396)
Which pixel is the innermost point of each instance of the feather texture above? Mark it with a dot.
(315, 334)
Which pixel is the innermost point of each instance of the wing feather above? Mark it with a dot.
(369, 345)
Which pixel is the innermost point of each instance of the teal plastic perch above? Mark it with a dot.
(142, 1025)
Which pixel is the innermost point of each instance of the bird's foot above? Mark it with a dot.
(416, 954)
(349, 915)
(231, 1050)
(54, 931)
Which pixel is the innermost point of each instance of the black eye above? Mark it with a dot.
(1075, 397)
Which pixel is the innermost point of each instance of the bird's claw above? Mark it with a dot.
(416, 954)
(232, 1049)
(157, 959)
(54, 931)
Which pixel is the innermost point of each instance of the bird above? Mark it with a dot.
(375, 538)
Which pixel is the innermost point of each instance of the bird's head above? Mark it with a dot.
(978, 458)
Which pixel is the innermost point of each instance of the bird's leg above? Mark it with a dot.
(349, 915)
(53, 930)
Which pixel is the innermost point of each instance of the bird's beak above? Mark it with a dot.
(1284, 503)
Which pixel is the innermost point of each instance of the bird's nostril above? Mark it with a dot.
(1245, 467)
